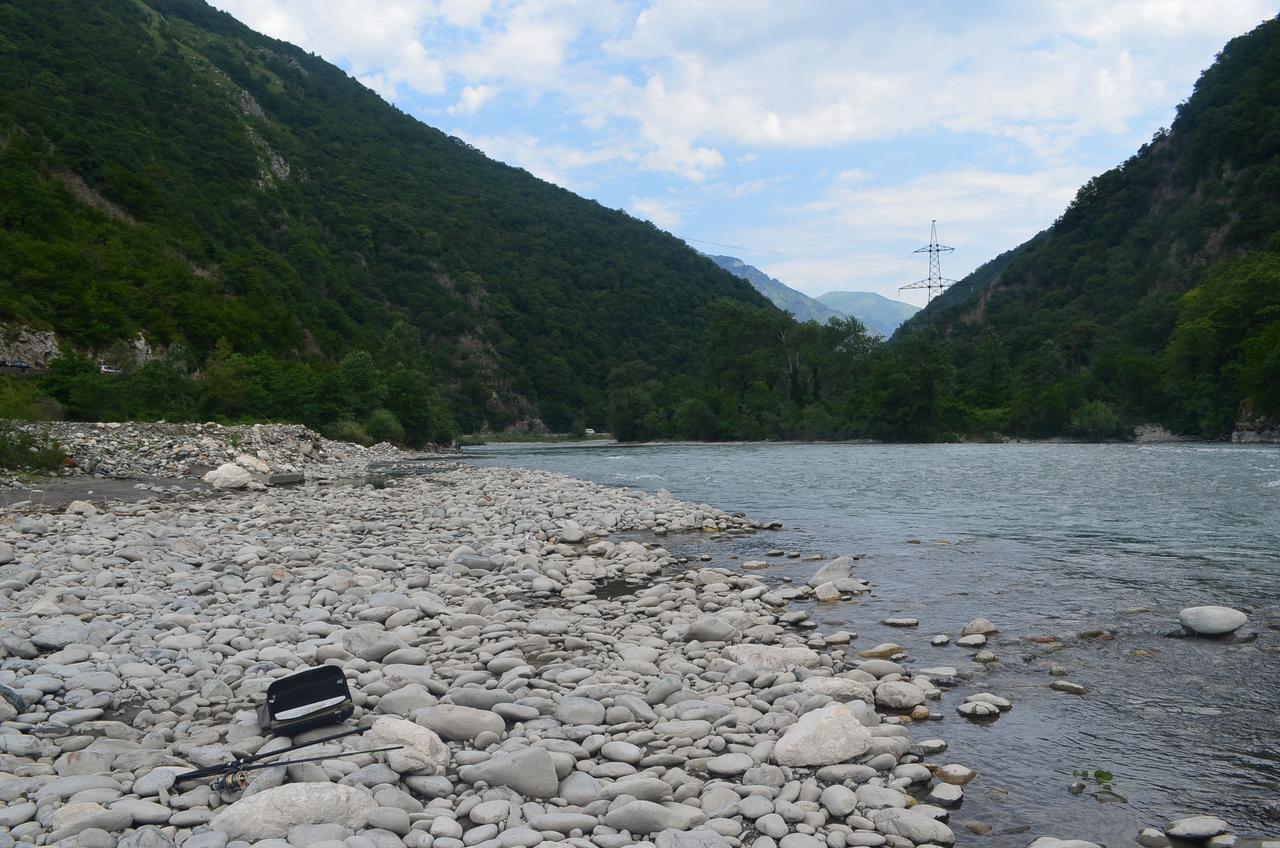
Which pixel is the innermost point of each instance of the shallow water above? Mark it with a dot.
(1043, 540)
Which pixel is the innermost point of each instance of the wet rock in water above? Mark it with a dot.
(1212, 620)
(973, 640)
(882, 651)
(929, 747)
(840, 568)
(1068, 687)
(826, 592)
(1196, 828)
(954, 774)
(273, 812)
(901, 622)
(979, 627)
(832, 734)
(978, 709)
(945, 795)
(913, 825)
(1150, 837)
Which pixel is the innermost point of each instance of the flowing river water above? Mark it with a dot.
(1098, 545)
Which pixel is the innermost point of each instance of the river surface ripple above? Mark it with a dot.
(1042, 539)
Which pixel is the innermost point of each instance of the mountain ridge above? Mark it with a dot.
(798, 304)
(169, 171)
(882, 315)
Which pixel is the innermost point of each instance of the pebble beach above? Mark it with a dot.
(552, 675)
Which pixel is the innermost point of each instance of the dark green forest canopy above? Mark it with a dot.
(165, 170)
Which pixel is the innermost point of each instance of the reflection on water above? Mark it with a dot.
(1061, 540)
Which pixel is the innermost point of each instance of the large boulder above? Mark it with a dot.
(898, 695)
(909, 824)
(423, 751)
(228, 476)
(1212, 621)
(840, 568)
(530, 772)
(272, 812)
(823, 737)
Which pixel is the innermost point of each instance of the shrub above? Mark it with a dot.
(1097, 419)
(346, 430)
(383, 426)
(20, 450)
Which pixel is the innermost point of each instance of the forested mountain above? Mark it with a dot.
(1156, 295)
(797, 304)
(1155, 298)
(261, 216)
(300, 250)
(880, 314)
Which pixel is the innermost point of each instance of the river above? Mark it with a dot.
(1061, 540)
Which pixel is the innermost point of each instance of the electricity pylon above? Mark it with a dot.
(934, 284)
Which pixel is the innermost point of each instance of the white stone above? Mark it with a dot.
(272, 812)
(1212, 621)
(228, 476)
(423, 752)
(252, 463)
(1196, 828)
(913, 825)
(826, 736)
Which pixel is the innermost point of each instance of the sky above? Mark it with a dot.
(815, 140)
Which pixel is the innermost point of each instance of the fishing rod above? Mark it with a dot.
(230, 773)
(239, 778)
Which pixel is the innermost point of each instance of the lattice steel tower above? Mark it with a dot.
(935, 284)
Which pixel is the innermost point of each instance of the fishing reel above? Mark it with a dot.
(231, 782)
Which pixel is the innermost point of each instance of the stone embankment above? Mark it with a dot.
(549, 685)
(130, 450)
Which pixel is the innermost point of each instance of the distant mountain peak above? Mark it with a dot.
(880, 314)
(800, 305)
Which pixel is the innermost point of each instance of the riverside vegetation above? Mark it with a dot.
(293, 248)
(549, 684)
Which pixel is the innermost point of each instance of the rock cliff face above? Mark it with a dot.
(35, 347)
(1255, 432)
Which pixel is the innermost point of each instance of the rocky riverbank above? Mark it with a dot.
(550, 685)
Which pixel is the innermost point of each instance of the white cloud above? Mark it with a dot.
(379, 42)
(472, 99)
(837, 241)
(686, 81)
(666, 214)
(555, 163)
